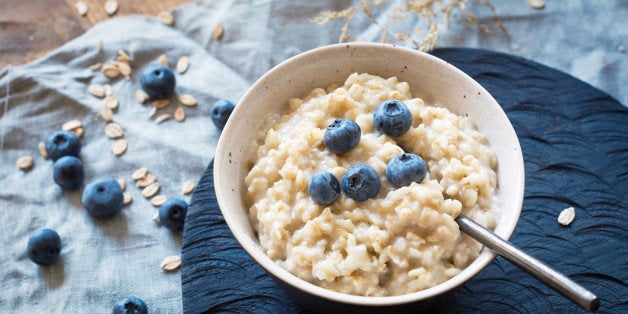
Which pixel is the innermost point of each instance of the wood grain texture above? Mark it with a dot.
(30, 29)
(575, 144)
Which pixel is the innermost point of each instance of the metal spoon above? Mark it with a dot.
(557, 281)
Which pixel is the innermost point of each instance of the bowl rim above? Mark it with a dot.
(484, 258)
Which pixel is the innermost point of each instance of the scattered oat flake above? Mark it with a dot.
(122, 183)
(111, 6)
(128, 198)
(179, 114)
(537, 4)
(147, 180)
(110, 70)
(217, 32)
(139, 173)
(111, 102)
(107, 89)
(162, 118)
(161, 103)
(123, 56)
(141, 96)
(166, 17)
(71, 125)
(150, 190)
(107, 114)
(95, 67)
(42, 150)
(24, 162)
(78, 132)
(114, 130)
(183, 64)
(158, 200)
(187, 100)
(119, 147)
(188, 187)
(81, 8)
(171, 263)
(125, 69)
(163, 60)
(566, 216)
(152, 112)
(156, 218)
(96, 90)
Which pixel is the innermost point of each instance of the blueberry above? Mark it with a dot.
(103, 198)
(44, 247)
(324, 188)
(157, 81)
(342, 136)
(392, 118)
(130, 305)
(68, 173)
(221, 110)
(172, 213)
(63, 143)
(404, 169)
(361, 182)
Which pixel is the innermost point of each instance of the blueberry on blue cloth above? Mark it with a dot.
(44, 247)
(130, 305)
(221, 111)
(103, 198)
(172, 213)
(63, 143)
(68, 173)
(157, 81)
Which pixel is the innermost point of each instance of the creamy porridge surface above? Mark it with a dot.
(403, 240)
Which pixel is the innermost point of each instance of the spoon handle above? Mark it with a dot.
(531, 265)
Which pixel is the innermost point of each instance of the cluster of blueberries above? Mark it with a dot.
(104, 198)
(361, 182)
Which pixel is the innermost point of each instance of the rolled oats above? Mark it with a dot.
(179, 114)
(114, 130)
(78, 132)
(25, 162)
(96, 90)
(111, 6)
(110, 70)
(567, 216)
(163, 60)
(81, 7)
(166, 17)
(128, 198)
(150, 190)
(161, 103)
(183, 64)
(71, 125)
(218, 30)
(171, 263)
(163, 118)
(106, 113)
(141, 96)
(111, 102)
(187, 99)
(139, 173)
(158, 200)
(119, 147)
(42, 150)
(147, 180)
(122, 183)
(188, 187)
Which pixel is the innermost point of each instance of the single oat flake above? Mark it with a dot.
(156, 218)
(111, 102)
(158, 200)
(107, 89)
(183, 64)
(119, 147)
(163, 60)
(71, 125)
(163, 118)
(161, 103)
(42, 150)
(141, 96)
(122, 183)
(125, 69)
(139, 173)
(95, 67)
(171, 263)
(151, 190)
(179, 114)
(567, 216)
(218, 30)
(537, 4)
(188, 187)
(114, 130)
(78, 132)
(128, 198)
(111, 6)
(110, 70)
(81, 8)
(107, 114)
(25, 162)
(152, 112)
(166, 17)
(96, 90)
(187, 99)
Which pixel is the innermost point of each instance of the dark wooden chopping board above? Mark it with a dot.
(575, 147)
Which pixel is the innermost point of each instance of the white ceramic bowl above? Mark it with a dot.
(430, 78)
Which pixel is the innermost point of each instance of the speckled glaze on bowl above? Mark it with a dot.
(431, 79)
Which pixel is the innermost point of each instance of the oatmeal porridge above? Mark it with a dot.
(402, 240)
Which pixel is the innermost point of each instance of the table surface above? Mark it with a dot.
(30, 29)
